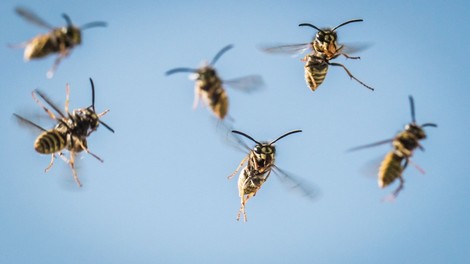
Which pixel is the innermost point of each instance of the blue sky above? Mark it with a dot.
(162, 196)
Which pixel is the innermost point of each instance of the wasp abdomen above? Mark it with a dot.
(390, 169)
(315, 72)
(50, 142)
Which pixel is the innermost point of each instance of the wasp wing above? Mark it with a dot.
(32, 17)
(23, 121)
(246, 84)
(286, 49)
(370, 145)
(49, 102)
(354, 47)
(297, 184)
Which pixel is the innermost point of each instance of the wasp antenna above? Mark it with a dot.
(67, 19)
(220, 53)
(245, 135)
(92, 94)
(310, 25)
(94, 24)
(285, 135)
(412, 106)
(347, 22)
(180, 70)
(105, 125)
(429, 124)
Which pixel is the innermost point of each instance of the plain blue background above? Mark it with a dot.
(162, 196)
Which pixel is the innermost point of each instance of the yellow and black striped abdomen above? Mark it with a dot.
(50, 141)
(390, 169)
(216, 98)
(315, 72)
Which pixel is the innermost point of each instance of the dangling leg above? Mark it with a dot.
(238, 168)
(104, 113)
(67, 98)
(350, 57)
(51, 71)
(349, 73)
(197, 95)
(49, 112)
(87, 151)
(72, 165)
(50, 164)
(242, 207)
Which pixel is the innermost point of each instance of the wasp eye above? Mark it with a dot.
(257, 150)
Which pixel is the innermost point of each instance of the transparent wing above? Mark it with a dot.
(355, 47)
(32, 17)
(50, 103)
(288, 49)
(246, 84)
(371, 145)
(297, 184)
(25, 122)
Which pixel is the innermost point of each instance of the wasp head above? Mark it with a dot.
(86, 120)
(415, 130)
(74, 35)
(206, 76)
(264, 154)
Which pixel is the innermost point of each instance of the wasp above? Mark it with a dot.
(324, 42)
(260, 161)
(316, 68)
(71, 131)
(404, 144)
(209, 86)
(59, 40)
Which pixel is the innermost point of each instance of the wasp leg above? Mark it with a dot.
(242, 207)
(49, 112)
(238, 168)
(104, 113)
(350, 75)
(50, 164)
(351, 57)
(88, 151)
(72, 166)
(197, 95)
(51, 71)
(67, 98)
(62, 156)
(400, 187)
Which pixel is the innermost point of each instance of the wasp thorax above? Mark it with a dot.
(73, 34)
(206, 73)
(326, 36)
(416, 130)
(86, 120)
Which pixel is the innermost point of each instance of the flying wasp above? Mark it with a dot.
(324, 42)
(71, 131)
(209, 86)
(259, 164)
(404, 144)
(316, 68)
(59, 40)
(324, 47)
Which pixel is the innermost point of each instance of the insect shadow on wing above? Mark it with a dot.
(209, 86)
(60, 40)
(404, 145)
(71, 131)
(260, 162)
